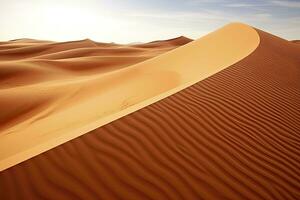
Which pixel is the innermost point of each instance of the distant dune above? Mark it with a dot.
(217, 118)
(165, 43)
(51, 61)
(296, 41)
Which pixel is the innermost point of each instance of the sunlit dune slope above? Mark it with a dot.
(233, 135)
(73, 106)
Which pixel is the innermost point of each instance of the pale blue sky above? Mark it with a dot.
(127, 21)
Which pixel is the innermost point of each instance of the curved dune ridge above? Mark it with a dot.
(234, 135)
(58, 109)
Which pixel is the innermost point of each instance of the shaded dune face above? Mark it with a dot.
(234, 135)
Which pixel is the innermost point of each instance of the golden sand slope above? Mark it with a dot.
(234, 135)
(59, 109)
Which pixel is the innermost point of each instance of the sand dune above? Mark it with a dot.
(176, 41)
(296, 41)
(226, 127)
(76, 105)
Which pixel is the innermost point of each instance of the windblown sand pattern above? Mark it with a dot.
(234, 135)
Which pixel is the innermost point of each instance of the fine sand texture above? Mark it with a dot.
(234, 135)
(50, 108)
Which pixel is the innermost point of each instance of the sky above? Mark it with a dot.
(126, 21)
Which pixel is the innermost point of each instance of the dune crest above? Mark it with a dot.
(81, 104)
